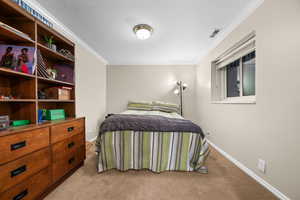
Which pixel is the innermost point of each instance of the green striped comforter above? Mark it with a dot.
(156, 151)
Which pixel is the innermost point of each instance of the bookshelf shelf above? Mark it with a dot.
(56, 100)
(17, 100)
(10, 36)
(12, 73)
(57, 82)
(53, 54)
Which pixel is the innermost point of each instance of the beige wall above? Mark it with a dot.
(270, 129)
(149, 83)
(90, 89)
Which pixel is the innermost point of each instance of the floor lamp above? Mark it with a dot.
(181, 86)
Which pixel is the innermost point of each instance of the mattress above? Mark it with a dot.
(155, 151)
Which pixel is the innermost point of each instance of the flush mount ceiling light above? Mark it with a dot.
(143, 31)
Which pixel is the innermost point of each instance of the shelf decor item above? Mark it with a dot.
(67, 53)
(42, 68)
(52, 72)
(15, 123)
(4, 122)
(42, 113)
(55, 114)
(50, 42)
(60, 93)
(18, 58)
(65, 72)
(41, 94)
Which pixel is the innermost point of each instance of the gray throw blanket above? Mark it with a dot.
(154, 123)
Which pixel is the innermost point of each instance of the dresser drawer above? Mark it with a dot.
(63, 165)
(67, 146)
(17, 171)
(20, 144)
(29, 189)
(63, 131)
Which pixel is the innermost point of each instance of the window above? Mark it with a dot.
(248, 62)
(233, 73)
(233, 79)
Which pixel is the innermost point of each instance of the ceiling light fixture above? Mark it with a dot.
(143, 31)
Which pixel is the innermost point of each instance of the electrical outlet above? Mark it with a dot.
(261, 165)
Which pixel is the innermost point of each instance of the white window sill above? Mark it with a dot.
(237, 100)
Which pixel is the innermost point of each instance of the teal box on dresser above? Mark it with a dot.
(55, 114)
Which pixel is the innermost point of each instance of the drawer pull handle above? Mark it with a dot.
(70, 129)
(71, 145)
(21, 195)
(18, 171)
(18, 145)
(71, 160)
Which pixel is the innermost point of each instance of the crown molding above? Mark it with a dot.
(152, 65)
(225, 32)
(59, 26)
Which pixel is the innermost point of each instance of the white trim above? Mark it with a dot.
(224, 33)
(248, 171)
(237, 100)
(66, 31)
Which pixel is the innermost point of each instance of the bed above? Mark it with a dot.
(132, 143)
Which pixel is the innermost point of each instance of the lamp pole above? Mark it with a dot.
(181, 97)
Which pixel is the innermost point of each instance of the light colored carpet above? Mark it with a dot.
(223, 182)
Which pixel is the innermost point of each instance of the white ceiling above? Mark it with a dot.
(181, 27)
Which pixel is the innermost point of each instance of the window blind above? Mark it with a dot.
(243, 47)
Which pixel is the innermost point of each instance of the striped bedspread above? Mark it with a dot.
(156, 151)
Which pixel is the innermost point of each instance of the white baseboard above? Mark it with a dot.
(248, 171)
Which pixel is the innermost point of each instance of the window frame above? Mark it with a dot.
(219, 77)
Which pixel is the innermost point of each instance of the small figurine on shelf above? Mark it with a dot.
(41, 94)
(4, 122)
(50, 42)
(5, 97)
(53, 73)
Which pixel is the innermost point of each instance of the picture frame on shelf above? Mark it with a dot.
(17, 58)
(65, 72)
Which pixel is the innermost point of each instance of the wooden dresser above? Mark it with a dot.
(35, 159)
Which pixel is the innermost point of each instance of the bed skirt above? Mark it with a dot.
(156, 151)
